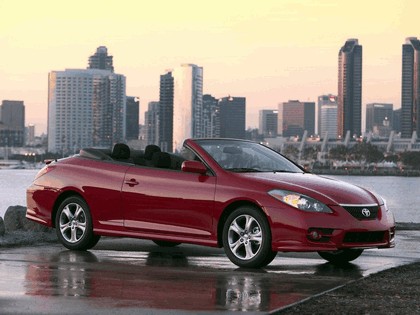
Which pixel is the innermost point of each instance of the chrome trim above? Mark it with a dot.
(358, 205)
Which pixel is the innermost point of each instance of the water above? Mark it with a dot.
(401, 193)
(13, 184)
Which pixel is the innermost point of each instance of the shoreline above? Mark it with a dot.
(367, 172)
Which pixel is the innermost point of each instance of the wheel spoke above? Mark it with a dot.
(81, 226)
(248, 249)
(64, 227)
(235, 246)
(248, 223)
(256, 237)
(73, 237)
(78, 212)
(67, 213)
(234, 227)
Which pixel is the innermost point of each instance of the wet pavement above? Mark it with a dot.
(126, 276)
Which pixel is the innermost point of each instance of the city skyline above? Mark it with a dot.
(269, 53)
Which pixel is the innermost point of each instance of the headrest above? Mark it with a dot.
(161, 160)
(149, 150)
(120, 151)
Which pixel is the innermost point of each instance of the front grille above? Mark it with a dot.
(364, 237)
(363, 213)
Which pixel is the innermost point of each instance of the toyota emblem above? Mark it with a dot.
(366, 212)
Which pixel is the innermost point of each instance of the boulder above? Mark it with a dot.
(15, 220)
(2, 228)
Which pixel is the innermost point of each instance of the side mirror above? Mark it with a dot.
(194, 167)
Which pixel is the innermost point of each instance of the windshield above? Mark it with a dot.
(244, 156)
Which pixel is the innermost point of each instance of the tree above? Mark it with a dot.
(368, 152)
(340, 152)
(411, 159)
(291, 152)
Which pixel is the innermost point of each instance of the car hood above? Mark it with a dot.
(318, 187)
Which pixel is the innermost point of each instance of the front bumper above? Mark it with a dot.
(298, 231)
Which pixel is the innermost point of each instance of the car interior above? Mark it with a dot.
(152, 156)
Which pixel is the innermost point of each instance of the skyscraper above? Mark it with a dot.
(268, 123)
(297, 117)
(152, 123)
(410, 88)
(232, 117)
(101, 60)
(166, 112)
(188, 104)
(85, 108)
(132, 118)
(379, 119)
(349, 110)
(327, 116)
(211, 117)
(12, 119)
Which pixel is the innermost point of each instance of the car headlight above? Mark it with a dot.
(299, 201)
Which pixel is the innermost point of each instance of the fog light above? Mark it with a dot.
(319, 234)
(315, 235)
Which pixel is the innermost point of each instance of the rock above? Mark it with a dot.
(2, 228)
(15, 220)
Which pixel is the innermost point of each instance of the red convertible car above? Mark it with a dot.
(235, 194)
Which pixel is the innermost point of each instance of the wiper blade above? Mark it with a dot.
(283, 171)
(243, 170)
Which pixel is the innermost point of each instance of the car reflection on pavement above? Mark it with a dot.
(161, 280)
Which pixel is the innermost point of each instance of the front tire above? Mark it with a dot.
(342, 256)
(73, 224)
(247, 238)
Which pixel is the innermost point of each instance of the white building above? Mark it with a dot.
(188, 103)
(327, 116)
(86, 107)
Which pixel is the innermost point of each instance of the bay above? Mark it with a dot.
(402, 194)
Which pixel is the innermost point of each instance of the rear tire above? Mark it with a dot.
(247, 238)
(342, 256)
(73, 224)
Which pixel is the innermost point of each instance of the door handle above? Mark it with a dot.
(132, 182)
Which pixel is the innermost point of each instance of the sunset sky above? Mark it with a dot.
(268, 51)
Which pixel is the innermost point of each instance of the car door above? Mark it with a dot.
(168, 202)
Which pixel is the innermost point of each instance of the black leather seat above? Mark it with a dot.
(161, 160)
(121, 152)
(146, 159)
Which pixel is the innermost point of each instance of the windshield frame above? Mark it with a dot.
(244, 156)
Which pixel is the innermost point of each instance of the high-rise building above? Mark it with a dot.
(232, 117)
(30, 135)
(297, 117)
(379, 119)
(268, 122)
(396, 121)
(410, 88)
(327, 116)
(101, 60)
(349, 110)
(188, 104)
(12, 118)
(152, 123)
(85, 108)
(166, 112)
(132, 118)
(211, 117)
